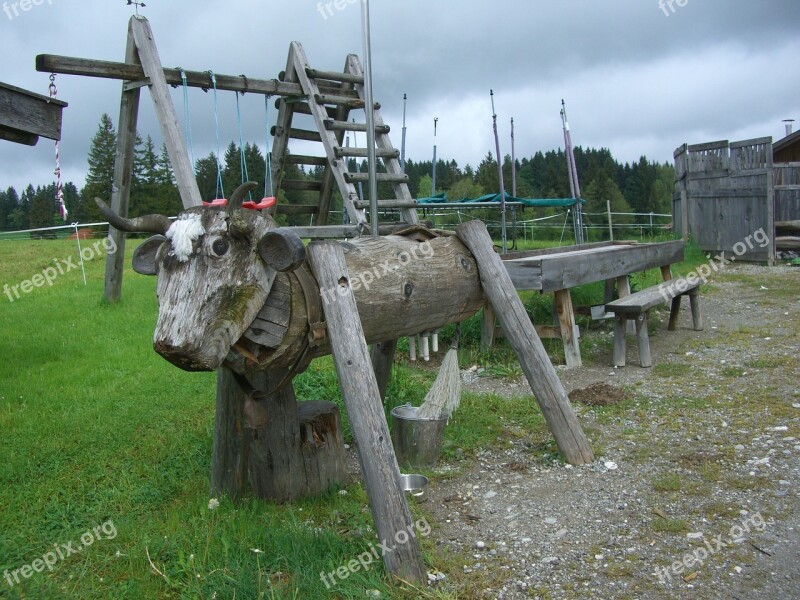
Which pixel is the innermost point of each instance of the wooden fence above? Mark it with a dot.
(727, 191)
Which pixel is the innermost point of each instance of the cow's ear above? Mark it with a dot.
(144, 257)
(282, 250)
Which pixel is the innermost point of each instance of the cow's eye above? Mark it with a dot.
(219, 247)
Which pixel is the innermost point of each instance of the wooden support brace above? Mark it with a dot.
(694, 301)
(542, 377)
(367, 419)
(488, 327)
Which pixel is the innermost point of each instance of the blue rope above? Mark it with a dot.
(219, 188)
(268, 147)
(188, 132)
(242, 157)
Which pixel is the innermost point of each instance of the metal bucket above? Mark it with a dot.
(417, 442)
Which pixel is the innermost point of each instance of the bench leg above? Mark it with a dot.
(644, 341)
(619, 341)
(697, 318)
(623, 291)
(569, 334)
(673, 313)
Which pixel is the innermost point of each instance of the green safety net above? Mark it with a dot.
(490, 198)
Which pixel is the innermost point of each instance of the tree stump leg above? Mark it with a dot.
(229, 451)
(286, 450)
(694, 301)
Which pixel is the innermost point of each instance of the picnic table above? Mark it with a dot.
(558, 270)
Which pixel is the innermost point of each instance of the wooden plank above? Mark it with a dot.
(542, 377)
(334, 76)
(389, 507)
(569, 330)
(382, 178)
(708, 146)
(319, 232)
(564, 271)
(730, 193)
(362, 152)
(29, 114)
(388, 204)
(18, 137)
(752, 142)
(165, 111)
(334, 125)
(770, 224)
(89, 67)
(652, 296)
(509, 256)
(121, 182)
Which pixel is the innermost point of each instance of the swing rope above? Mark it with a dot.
(219, 188)
(242, 155)
(187, 118)
(268, 152)
(62, 207)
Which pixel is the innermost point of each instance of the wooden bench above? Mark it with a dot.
(637, 306)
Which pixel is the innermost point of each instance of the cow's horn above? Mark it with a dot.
(144, 224)
(238, 194)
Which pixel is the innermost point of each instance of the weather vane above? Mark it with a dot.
(137, 3)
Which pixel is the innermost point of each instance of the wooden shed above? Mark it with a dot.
(25, 116)
(787, 150)
(727, 192)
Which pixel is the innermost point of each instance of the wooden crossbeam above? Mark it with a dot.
(88, 67)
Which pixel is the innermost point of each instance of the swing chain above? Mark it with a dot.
(53, 89)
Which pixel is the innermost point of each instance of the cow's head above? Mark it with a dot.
(215, 267)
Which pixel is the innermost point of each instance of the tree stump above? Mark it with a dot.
(284, 449)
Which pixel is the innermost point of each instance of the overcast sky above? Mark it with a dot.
(638, 78)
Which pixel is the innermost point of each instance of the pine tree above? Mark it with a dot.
(99, 179)
(43, 207)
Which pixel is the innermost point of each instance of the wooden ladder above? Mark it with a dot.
(329, 98)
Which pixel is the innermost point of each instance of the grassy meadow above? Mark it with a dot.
(95, 428)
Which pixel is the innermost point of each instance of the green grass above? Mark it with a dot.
(96, 427)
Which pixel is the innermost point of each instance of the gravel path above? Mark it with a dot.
(695, 490)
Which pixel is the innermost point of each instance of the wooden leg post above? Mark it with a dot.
(697, 318)
(645, 359)
(367, 420)
(569, 330)
(624, 290)
(382, 355)
(674, 313)
(542, 377)
(619, 341)
(229, 452)
(488, 326)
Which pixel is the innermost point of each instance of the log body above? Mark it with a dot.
(401, 286)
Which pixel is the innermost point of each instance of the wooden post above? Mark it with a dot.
(569, 330)
(488, 325)
(121, 187)
(382, 355)
(624, 290)
(367, 420)
(519, 330)
(165, 111)
(229, 450)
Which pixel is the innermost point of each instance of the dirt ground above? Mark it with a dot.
(694, 493)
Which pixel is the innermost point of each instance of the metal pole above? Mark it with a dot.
(575, 186)
(433, 177)
(513, 163)
(500, 174)
(369, 109)
(403, 144)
